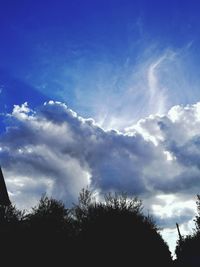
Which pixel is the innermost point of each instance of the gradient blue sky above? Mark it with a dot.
(95, 55)
(116, 62)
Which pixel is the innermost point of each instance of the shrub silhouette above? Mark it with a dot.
(49, 215)
(112, 232)
(10, 231)
(187, 249)
(40, 237)
(115, 232)
(48, 229)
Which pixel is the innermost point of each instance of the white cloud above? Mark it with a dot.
(117, 95)
(150, 84)
(157, 94)
(53, 150)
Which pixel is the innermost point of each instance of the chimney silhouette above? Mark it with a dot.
(179, 234)
(4, 198)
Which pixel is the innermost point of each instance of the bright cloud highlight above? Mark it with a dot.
(53, 150)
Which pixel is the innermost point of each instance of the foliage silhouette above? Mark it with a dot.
(49, 228)
(48, 215)
(10, 231)
(112, 232)
(187, 249)
(116, 232)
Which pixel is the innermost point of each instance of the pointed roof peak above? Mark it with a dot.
(4, 198)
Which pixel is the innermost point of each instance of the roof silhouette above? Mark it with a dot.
(4, 198)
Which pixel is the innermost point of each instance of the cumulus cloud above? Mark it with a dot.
(53, 150)
(67, 152)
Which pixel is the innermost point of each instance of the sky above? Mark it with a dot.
(105, 95)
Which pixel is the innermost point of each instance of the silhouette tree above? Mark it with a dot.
(49, 215)
(49, 228)
(197, 218)
(115, 232)
(187, 249)
(40, 237)
(112, 232)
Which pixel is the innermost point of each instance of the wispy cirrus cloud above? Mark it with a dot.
(117, 95)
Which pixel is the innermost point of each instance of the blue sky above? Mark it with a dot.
(90, 53)
(116, 62)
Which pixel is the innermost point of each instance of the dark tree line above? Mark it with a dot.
(111, 232)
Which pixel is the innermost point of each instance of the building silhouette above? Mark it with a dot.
(4, 198)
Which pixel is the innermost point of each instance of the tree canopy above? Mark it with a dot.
(187, 249)
(112, 232)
